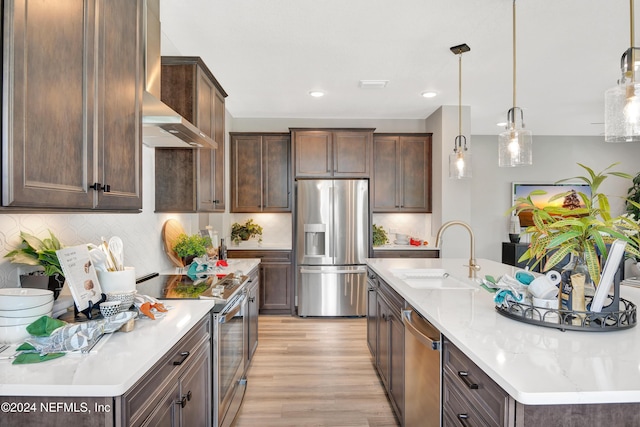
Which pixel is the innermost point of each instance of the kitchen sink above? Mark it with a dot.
(430, 278)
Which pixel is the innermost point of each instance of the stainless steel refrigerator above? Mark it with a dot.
(332, 242)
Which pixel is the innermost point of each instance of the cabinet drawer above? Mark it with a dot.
(264, 256)
(474, 385)
(145, 395)
(395, 301)
(460, 411)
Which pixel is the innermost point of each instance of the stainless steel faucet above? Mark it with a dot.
(473, 267)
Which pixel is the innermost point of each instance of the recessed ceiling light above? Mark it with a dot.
(316, 93)
(429, 94)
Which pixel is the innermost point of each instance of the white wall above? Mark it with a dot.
(554, 158)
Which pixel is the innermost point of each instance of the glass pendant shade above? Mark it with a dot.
(622, 104)
(515, 144)
(460, 165)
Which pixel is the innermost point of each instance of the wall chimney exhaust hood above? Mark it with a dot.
(161, 125)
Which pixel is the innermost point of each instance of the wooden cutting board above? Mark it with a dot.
(170, 232)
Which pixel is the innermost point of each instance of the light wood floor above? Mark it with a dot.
(313, 372)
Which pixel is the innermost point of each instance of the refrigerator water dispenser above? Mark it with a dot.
(314, 239)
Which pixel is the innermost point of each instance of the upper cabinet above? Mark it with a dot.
(260, 172)
(191, 90)
(332, 152)
(72, 104)
(401, 173)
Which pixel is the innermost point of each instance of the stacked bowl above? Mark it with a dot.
(19, 307)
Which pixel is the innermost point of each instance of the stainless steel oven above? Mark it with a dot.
(229, 355)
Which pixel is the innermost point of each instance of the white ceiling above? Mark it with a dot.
(268, 54)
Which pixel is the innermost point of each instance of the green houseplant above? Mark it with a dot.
(245, 231)
(189, 247)
(379, 235)
(583, 231)
(36, 252)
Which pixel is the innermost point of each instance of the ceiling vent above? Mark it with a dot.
(373, 84)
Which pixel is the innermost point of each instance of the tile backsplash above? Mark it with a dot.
(415, 225)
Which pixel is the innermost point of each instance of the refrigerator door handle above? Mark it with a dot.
(358, 270)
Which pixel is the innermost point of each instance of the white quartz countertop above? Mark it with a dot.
(394, 247)
(115, 363)
(536, 365)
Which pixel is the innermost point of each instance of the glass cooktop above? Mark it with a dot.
(181, 286)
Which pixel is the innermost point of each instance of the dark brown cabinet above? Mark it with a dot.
(260, 172)
(406, 253)
(332, 152)
(253, 297)
(72, 104)
(385, 338)
(401, 173)
(192, 180)
(276, 279)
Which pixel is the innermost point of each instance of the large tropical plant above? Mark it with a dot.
(584, 231)
(34, 251)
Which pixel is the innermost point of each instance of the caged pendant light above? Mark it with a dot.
(515, 144)
(460, 159)
(622, 102)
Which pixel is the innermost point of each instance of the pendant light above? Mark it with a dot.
(622, 102)
(460, 159)
(515, 144)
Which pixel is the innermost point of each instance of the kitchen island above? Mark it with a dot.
(536, 366)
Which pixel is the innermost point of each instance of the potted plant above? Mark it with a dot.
(33, 251)
(245, 231)
(633, 203)
(379, 236)
(582, 231)
(188, 247)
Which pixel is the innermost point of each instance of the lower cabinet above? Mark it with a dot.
(276, 279)
(177, 390)
(385, 336)
(253, 296)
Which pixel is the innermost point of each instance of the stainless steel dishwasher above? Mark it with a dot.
(422, 371)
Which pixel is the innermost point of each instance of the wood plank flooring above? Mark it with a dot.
(313, 372)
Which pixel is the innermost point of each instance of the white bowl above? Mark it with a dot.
(41, 310)
(16, 321)
(109, 308)
(18, 298)
(13, 334)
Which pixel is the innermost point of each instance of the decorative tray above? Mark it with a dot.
(620, 314)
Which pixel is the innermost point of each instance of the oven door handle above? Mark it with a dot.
(224, 318)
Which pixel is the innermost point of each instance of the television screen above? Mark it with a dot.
(523, 189)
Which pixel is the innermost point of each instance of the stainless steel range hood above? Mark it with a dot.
(161, 125)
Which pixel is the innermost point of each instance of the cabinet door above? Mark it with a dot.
(276, 288)
(195, 386)
(396, 363)
(351, 154)
(372, 317)
(254, 306)
(384, 340)
(119, 125)
(313, 153)
(48, 102)
(166, 413)
(205, 94)
(415, 170)
(246, 173)
(386, 174)
(175, 179)
(218, 154)
(276, 183)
